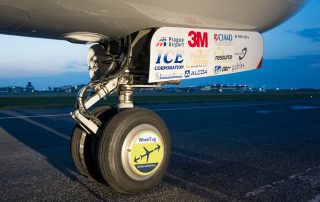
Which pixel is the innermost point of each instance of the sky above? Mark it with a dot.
(291, 58)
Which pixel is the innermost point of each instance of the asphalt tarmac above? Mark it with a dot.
(233, 151)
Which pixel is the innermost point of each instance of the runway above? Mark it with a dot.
(225, 151)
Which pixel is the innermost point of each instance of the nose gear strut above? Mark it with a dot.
(109, 72)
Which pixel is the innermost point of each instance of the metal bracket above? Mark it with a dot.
(88, 125)
(107, 89)
(85, 123)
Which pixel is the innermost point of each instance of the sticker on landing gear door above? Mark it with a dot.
(146, 153)
(184, 53)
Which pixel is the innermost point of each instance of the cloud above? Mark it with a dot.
(283, 44)
(76, 66)
(22, 57)
(315, 65)
(312, 33)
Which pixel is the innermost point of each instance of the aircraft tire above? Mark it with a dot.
(84, 146)
(134, 150)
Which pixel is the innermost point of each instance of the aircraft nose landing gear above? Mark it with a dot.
(134, 150)
(128, 147)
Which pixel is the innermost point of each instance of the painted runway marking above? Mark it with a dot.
(295, 107)
(192, 158)
(40, 125)
(305, 177)
(315, 199)
(299, 107)
(35, 116)
(269, 112)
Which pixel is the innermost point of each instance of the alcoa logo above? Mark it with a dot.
(223, 37)
(189, 73)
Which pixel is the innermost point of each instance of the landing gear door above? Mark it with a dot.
(185, 53)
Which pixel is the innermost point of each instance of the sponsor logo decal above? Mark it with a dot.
(187, 74)
(174, 42)
(198, 39)
(168, 67)
(193, 73)
(147, 139)
(146, 155)
(163, 76)
(197, 59)
(238, 67)
(162, 42)
(186, 53)
(169, 57)
(241, 36)
(242, 54)
(219, 69)
(223, 57)
(223, 37)
(169, 61)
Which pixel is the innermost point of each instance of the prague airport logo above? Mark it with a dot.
(162, 42)
(174, 42)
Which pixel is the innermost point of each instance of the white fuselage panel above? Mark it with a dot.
(186, 53)
(118, 18)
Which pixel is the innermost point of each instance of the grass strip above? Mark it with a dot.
(40, 101)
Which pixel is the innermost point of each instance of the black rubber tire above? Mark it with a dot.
(88, 166)
(110, 145)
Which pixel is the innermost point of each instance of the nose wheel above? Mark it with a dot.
(131, 153)
(134, 150)
(83, 145)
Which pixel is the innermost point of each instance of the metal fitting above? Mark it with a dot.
(125, 97)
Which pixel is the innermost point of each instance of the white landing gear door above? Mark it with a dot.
(185, 53)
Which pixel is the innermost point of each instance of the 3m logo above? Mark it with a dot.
(198, 39)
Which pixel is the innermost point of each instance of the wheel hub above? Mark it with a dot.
(142, 152)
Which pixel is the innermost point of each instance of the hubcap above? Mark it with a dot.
(142, 152)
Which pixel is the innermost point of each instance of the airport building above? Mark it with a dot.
(29, 87)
